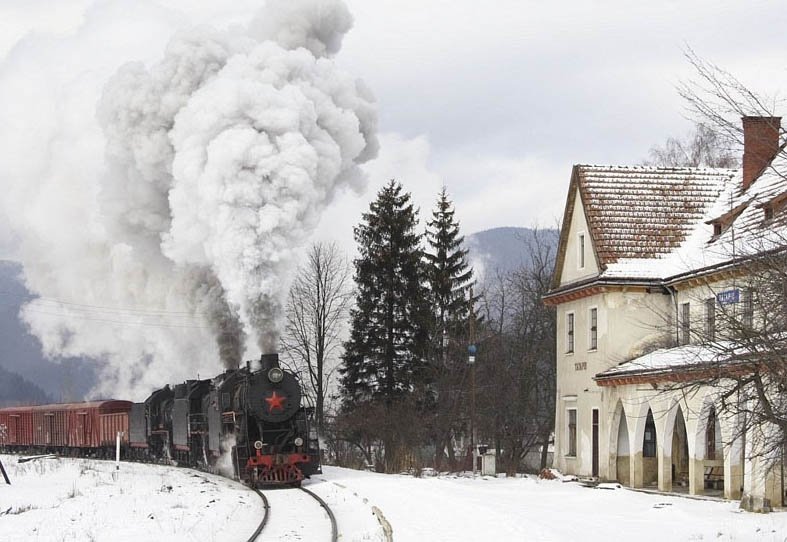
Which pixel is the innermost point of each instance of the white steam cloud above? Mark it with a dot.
(177, 217)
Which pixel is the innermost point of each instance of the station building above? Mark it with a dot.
(648, 260)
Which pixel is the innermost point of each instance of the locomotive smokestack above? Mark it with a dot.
(269, 361)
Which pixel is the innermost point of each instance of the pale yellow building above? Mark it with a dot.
(647, 257)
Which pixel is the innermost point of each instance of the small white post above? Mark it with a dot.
(117, 451)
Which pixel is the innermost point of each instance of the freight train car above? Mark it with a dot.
(88, 429)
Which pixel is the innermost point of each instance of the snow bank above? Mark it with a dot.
(78, 500)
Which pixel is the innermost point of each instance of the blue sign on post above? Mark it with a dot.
(728, 297)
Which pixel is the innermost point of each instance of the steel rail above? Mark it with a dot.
(334, 526)
(267, 515)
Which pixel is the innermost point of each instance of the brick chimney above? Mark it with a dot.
(760, 145)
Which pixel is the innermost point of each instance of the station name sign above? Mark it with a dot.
(728, 297)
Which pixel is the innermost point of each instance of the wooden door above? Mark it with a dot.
(595, 442)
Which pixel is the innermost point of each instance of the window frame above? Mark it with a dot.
(710, 318)
(570, 332)
(593, 329)
(747, 310)
(685, 323)
(581, 250)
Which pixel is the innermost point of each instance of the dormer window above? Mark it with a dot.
(726, 220)
(773, 206)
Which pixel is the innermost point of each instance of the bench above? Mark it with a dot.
(714, 477)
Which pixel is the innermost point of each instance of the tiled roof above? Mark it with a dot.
(645, 212)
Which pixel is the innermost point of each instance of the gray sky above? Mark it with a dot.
(495, 99)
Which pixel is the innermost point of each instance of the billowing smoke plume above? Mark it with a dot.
(217, 161)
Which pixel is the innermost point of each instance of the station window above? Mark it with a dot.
(581, 249)
(710, 318)
(569, 332)
(685, 323)
(748, 309)
(572, 432)
(593, 328)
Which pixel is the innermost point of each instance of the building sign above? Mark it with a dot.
(581, 366)
(728, 297)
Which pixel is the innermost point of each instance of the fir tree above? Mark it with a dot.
(389, 333)
(450, 277)
(450, 282)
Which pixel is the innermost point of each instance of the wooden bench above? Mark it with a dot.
(714, 477)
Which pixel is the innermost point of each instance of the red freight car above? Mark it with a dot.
(90, 425)
(16, 426)
(49, 426)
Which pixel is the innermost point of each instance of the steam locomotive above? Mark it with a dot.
(254, 420)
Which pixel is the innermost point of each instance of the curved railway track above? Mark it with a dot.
(334, 526)
(264, 521)
(258, 533)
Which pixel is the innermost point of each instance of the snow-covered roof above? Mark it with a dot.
(646, 212)
(664, 360)
(661, 224)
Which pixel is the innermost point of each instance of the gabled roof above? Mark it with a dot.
(639, 212)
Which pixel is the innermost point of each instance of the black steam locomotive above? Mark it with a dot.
(253, 417)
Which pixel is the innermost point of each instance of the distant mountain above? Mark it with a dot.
(506, 249)
(68, 379)
(15, 390)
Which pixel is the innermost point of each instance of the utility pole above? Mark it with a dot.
(471, 352)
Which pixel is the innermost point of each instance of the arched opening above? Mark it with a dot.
(710, 452)
(680, 454)
(623, 462)
(650, 465)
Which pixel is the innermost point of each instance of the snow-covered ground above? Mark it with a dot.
(80, 500)
(63, 500)
(499, 509)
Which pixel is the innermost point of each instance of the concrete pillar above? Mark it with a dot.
(733, 478)
(665, 469)
(696, 476)
(635, 469)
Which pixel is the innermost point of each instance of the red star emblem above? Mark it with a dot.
(275, 401)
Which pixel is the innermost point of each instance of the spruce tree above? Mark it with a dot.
(450, 282)
(389, 334)
(450, 277)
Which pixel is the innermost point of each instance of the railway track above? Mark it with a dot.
(264, 521)
(287, 529)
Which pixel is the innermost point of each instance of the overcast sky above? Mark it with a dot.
(495, 99)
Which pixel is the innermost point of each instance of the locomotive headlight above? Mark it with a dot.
(258, 445)
(298, 441)
(275, 375)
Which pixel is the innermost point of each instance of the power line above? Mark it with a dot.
(123, 322)
(105, 308)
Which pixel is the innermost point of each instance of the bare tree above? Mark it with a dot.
(704, 147)
(317, 309)
(517, 359)
(717, 99)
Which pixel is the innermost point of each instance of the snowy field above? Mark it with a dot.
(80, 500)
(63, 500)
